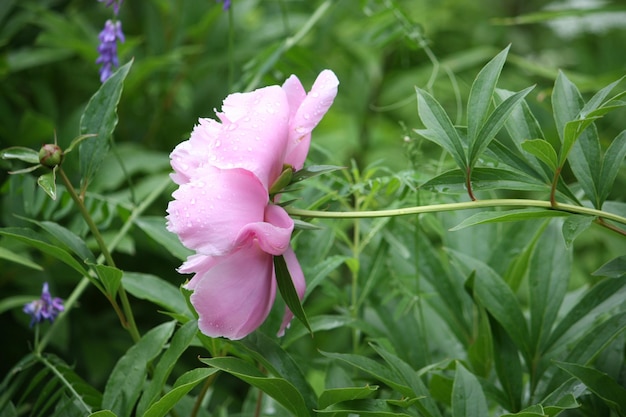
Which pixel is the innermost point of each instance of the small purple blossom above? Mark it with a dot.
(45, 307)
(107, 49)
(115, 3)
(226, 4)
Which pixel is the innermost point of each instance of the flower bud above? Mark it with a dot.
(50, 155)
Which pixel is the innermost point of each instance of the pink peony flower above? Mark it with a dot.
(222, 208)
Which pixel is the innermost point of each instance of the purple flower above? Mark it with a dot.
(115, 3)
(107, 49)
(45, 307)
(226, 4)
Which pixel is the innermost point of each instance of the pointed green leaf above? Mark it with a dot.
(614, 268)
(288, 291)
(367, 407)
(613, 159)
(48, 184)
(597, 101)
(586, 163)
(22, 260)
(68, 238)
(126, 380)
(103, 413)
(155, 289)
(154, 226)
(573, 226)
(480, 97)
(453, 181)
(278, 388)
(508, 367)
(508, 216)
(182, 386)
(543, 150)
(468, 398)
(566, 103)
(494, 123)
(336, 395)
(110, 277)
(313, 171)
(100, 118)
(439, 128)
(28, 155)
(600, 384)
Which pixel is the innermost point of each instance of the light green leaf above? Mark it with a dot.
(468, 399)
(573, 226)
(439, 128)
(599, 383)
(313, 171)
(22, 260)
(613, 159)
(126, 380)
(614, 268)
(182, 386)
(154, 226)
(480, 97)
(566, 103)
(336, 395)
(288, 291)
(47, 183)
(508, 216)
(21, 153)
(597, 101)
(543, 150)
(278, 388)
(110, 277)
(152, 288)
(100, 118)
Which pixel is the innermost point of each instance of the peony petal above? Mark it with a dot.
(194, 153)
(308, 115)
(254, 133)
(273, 234)
(235, 296)
(295, 94)
(210, 211)
(297, 276)
(197, 264)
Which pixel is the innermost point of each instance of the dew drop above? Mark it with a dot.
(218, 143)
(232, 126)
(300, 129)
(315, 94)
(307, 116)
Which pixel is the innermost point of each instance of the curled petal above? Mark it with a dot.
(297, 276)
(273, 234)
(197, 264)
(194, 153)
(308, 115)
(234, 296)
(295, 94)
(210, 211)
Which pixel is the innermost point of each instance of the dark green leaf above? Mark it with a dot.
(573, 226)
(278, 388)
(154, 289)
(21, 153)
(103, 413)
(508, 216)
(22, 260)
(313, 171)
(100, 118)
(374, 408)
(68, 238)
(543, 150)
(599, 383)
(614, 268)
(336, 395)
(485, 179)
(597, 101)
(126, 380)
(110, 277)
(613, 159)
(154, 226)
(468, 399)
(288, 291)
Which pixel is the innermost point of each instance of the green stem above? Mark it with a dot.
(568, 208)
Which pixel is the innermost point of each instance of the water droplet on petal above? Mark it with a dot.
(232, 126)
(300, 129)
(315, 94)
(218, 143)
(307, 116)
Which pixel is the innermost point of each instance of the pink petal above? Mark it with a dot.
(254, 133)
(273, 234)
(295, 94)
(299, 283)
(197, 264)
(308, 115)
(234, 297)
(210, 211)
(194, 153)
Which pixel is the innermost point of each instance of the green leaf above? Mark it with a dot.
(439, 128)
(21, 153)
(365, 407)
(597, 101)
(154, 226)
(288, 291)
(508, 216)
(68, 238)
(573, 226)
(48, 184)
(278, 388)
(613, 159)
(566, 103)
(19, 259)
(484, 179)
(100, 118)
(110, 277)
(152, 288)
(480, 95)
(318, 324)
(126, 380)
(103, 413)
(33, 239)
(600, 384)
(182, 386)
(468, 399)
(614, 268)
(494, 123)
(313, 171)
(543, 150)
(337, 395)
(508, 367)
(178, 345)
(567, 402)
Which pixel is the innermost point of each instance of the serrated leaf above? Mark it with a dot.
(599, 383)
(336, 395)
(288, 291)
(468, 398)
(126, 380)
(152, 288)
(439, 128)
(47, 183)
(100, 118)
(182, 386)
(154, 226)
(278, 388)
(614, 268)
(508, 216)
(31, 238)
(543, 150)
(21, 153)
